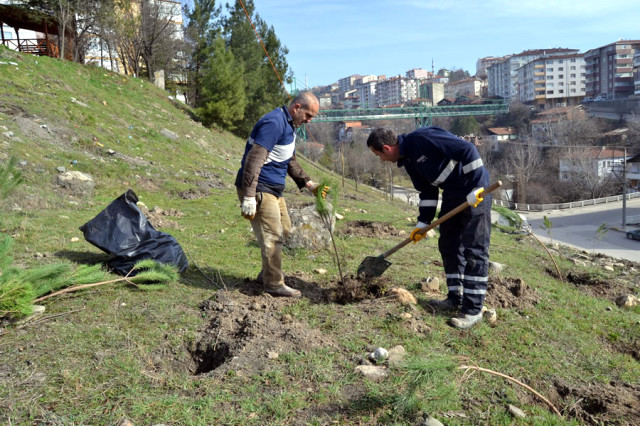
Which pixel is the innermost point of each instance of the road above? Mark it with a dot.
(578, 228)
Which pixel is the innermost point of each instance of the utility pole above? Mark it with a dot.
(624, 190)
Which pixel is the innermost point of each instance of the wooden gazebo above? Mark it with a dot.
(23, 18)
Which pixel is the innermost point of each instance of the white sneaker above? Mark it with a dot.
(465, 321)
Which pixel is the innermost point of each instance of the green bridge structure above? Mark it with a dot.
(422, 114)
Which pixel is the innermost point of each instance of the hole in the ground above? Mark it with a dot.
(211, 358)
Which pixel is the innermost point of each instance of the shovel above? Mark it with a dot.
(374, 266)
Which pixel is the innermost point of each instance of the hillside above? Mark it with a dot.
(212, 349)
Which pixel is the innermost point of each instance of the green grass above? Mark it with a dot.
(117, 352)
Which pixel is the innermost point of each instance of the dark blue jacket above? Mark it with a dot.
(436, 159)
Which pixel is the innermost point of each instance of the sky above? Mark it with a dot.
(333, 39)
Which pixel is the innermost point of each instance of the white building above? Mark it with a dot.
(472, 86)
(418, 73)
(366, 93)
(555, 81)
(503, 76)
(347, 83)
(395, 91)
(600, 163)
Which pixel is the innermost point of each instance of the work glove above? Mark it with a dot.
(416, 234)
(474, 197)
(249, 207)
(314, 188)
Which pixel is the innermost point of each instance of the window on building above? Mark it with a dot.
(561, 69)
(561, 76)
(549, 61)
(573, 67)
(573, 90)
(549, 77)
(549, 92)
(573, 59)
(560, 91)
(549, 69)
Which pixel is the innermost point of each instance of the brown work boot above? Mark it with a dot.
(283, 291)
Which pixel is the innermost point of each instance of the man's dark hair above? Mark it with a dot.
(380, 137)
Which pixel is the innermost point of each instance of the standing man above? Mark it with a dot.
(436, 159)
(269, 157)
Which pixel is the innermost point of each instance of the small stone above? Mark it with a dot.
(403, 296)
(609, 268)
(430, 284)
(495, 266)
(320, 271)
(287, 319)
(372, 372)
(628, 301)
(396, 355)
(61, 169)
(406, 315)
(272, 355)
(125, 422)
(75, 239)
(516, 412)
(427, 420)
(339, 216)
(491, 316)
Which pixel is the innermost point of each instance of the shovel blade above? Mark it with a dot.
(373, 266)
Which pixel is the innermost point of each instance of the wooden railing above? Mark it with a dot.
(40, 46)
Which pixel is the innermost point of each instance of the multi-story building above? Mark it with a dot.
(609, 70)
(395, 91)
(432, 91)
(102, 53)
(472, 86)
(347, 83)
(553, 81)
(483, 63)
(636, 70)
(503, 76)
(366, 93)
(418, 73)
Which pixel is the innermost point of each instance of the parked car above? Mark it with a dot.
(633, 235)
(587, 100)
(600, 98)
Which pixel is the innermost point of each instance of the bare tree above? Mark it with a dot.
(523, 163)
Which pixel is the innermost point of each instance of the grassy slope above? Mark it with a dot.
(105, 360)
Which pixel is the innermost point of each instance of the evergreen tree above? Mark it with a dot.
(466, 125)
(223, 99)
(203, 28)
(262, 87)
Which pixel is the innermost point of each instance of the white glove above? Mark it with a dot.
(249, 207)
(474, 197)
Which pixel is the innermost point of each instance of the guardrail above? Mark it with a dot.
(561, 206)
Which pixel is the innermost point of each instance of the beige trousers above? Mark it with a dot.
(271, 225)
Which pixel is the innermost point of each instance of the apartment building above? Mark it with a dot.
(432, 90)
(549, 82)
(366, 93)
(102, 53)
(503, 75)
(418, 73)
(472, 86)
(636, 70)
(483, 63)
(347, 83)
(395, 91)
(609, 70)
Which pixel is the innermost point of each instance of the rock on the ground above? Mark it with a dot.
(372, 372)
(627, 301)
(427, 420)
(403, 296)
(308, 230)
(516, 412)
(77, 182)
(396, 355)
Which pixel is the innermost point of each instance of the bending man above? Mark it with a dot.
(436, 159)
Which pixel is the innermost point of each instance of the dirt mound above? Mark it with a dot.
(598, 403)
(596, 287)
(245, 333)
(363, 228)
(509, 293)
(353, 289)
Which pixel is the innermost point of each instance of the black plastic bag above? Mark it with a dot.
(123, 231)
